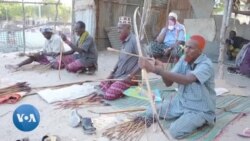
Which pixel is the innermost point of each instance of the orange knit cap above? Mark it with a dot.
(200, 40)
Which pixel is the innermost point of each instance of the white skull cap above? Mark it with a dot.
(125, 20)
(172, 14)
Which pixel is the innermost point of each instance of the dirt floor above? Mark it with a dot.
(56, 122)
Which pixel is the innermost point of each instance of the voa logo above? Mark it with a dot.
(26, 117)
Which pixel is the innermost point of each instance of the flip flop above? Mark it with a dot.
(23, 139)
(12, 67)
(87, 126)
(75, 119)
(50, 138)
(90, 71)
(232, 70)
(245, 133)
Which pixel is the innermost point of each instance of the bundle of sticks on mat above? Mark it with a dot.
(91, 100)
(18, 87)
(130, 130)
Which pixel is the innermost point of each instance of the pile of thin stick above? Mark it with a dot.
(91, 100)
(44, 68)
(130, 130)
(18, 87)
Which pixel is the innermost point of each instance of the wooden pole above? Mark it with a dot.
(168, 6)
(229, 12)
(224, 26)
(110, 12)
(56, 16)
(73, 21)
(28, 2)
(24, 25)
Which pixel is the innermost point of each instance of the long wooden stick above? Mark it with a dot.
(144, 72)
(119, 111)
(224, 26)
(60, 60)
(75, 83)
(127, 53)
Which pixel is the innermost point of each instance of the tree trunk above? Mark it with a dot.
(224, 26)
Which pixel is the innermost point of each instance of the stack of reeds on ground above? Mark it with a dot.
(91, 100)
(18, 87)
(130, 130)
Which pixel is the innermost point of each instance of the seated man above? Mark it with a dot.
(172, 35)
(53, 46)
(83, 55)
(126, 67)
(234, 44)
(194, 104)
(242, 62)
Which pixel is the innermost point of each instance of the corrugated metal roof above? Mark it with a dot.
(159, 2)
(113, 36)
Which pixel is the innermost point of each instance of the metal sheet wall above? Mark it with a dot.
(108, 12)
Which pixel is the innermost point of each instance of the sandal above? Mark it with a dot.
(233, 70)
(75, 119)
(90, 71)
(50, 138)
(245, 133)
(12, 67)
(23, 139)
(87, 126)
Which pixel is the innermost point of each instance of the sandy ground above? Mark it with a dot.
(56, 121)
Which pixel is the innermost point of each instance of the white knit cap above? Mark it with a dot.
(125, 20)
(172, 14)
(46, 29)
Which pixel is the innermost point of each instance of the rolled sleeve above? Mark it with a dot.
(163, 31)
(202, 72)
(177, 66)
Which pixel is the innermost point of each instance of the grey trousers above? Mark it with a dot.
(186, 121)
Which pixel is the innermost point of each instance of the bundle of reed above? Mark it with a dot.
(18, 87)
(44, 68)
(130, 130)
(91, 100)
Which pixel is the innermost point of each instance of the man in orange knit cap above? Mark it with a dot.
(194, 104)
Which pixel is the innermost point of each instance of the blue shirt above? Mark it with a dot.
(177, 34)
(198, 96)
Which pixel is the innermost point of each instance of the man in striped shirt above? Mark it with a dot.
(194, 104)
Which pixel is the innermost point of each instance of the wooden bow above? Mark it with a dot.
(146, 7)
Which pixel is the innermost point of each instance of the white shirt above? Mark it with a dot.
(54, 44)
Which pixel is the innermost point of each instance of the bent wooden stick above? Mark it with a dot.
(135, 55)
(145, 74)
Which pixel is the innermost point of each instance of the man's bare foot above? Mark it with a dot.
(12, 67)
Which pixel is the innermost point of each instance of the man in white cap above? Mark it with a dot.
(169, 39)
(127, 66)
(48, 54)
